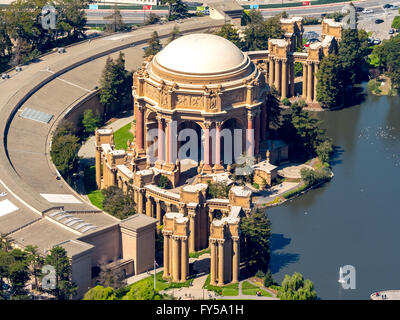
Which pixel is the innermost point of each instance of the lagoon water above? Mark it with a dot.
(355, 218)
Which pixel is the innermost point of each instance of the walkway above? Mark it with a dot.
(87, 150)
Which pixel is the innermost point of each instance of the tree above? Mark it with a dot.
(100, 293)
(64, 153)
(330, 81)
(312, 177)
(396, 22)
(324, 150)
(116, 21)
(109, 277)
(258, 33)
(115, 85)
(229, 32)
(57, 258)
(352, 53)
(273, 108)
(218, 190)
(18, 276)
(296, 288)
(152, 18)
(255, 240)
(154, 45)
(117, 203)
(174, 34)
(142, 292)
(5, 243)
(35, 262)
(90, 122)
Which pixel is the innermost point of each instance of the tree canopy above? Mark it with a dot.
(255, 241)
(154, 45)
(296, 288)
(117, 203)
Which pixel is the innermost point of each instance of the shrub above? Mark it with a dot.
(286, 102)
(256, 185)
(260, 274)
(217, 190)
(163, 183)
(311, 177)
(268, 280)
(324, 150)
(302, 103)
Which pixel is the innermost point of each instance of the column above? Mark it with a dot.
(271, 72)
(149, 207)
(166, 256)
(284, 79)
(309, 82)
(192, 235)
(185, 260)
(207, 166)
(160, 140)
(168, 142)
(250, 135)
(221, 262)
(315, 82)
(158, 213)
(169, 207)
(139, 127)
(257, 133)
(304, 93)
(98, 168)
(175, 259)
(236, 260)
(218, 143)
(213, 263)
(277, 76)
(140, 201)
(292, 78)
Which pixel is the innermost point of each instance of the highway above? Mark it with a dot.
(139, 16)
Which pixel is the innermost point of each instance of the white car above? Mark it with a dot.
(365, 11)
(3, 194)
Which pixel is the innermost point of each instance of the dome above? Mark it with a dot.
(201, 54)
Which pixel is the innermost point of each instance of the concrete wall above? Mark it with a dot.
(82, 273)
(107, 244)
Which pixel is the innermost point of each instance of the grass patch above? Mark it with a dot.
(229, 290)
(251, 289)
(122, 136)
(294, 192)
(96, 197)
(199, 253)
(161, 284)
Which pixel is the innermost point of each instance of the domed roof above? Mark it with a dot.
(201, 54)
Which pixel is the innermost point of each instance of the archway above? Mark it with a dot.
(233, 140)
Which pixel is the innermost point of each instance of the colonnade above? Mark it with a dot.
(281, 75)
(176, 257)
(225, 261)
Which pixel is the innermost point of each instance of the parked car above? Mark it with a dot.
(395, 7)
(5, 76)
(378, 21)
(387, 6)
(377, 41)
(366, 11)
(311, 41)
(391, 31)
(359, 9)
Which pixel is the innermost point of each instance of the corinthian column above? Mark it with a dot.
(277, 76)
(192, 235)
(213, 263)
(250, 134)
(166, 256)
(236, 260)
(315, 81)
(176, 255)
(160, 140)
(309, 82)
(184, 260)
(284, 79)
(207, 167)
(220, 262)
(271, 72)
(304, 93)
(292, 78)
(139, 127)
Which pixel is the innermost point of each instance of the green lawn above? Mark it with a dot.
(228, 290)
(251, 289)
(199, 253)
(122, 136)
(96, 197)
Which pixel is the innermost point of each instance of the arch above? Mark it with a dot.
(238, 140)
(191, 145)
